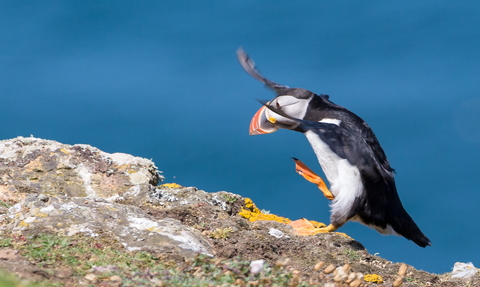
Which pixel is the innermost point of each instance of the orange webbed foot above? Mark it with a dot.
(309, 175)
(305, 227)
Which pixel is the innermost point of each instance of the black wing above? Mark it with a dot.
(349, 146)
(249, 66)
(350, 121)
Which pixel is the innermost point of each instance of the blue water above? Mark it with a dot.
(159, 79)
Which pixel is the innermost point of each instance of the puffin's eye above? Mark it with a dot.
(279, 106)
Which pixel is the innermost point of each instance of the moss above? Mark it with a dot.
(374, 278)
(10, 280)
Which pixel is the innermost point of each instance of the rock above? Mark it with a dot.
(182, 196)
(63, 272)
(129, 224)
(32, 165)
(70, 189)
(8, 254)
(91, 277)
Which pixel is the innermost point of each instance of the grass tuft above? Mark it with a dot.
(103, 260)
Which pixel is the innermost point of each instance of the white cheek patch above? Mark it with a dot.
(331, 121)
(294, 107)
(297, 111)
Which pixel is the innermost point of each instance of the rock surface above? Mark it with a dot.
(134, 229)
(70, 189)
(49, 187)
(31, 165)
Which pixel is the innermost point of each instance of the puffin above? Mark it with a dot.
(361, 180)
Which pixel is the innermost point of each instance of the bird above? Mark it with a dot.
(361, 179)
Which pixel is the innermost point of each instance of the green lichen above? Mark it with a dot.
(352, 254)
(221, 233)
(5, 204)
(229, 198)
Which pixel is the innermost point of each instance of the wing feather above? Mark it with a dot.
(249, 66)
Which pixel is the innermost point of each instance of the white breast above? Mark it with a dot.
(344, 178)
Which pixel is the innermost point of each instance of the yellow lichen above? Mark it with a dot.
(373, 278)
(23, 224)
(263, 216)
(171, 185)
(253, 213)
(65, 151)
(153, 229)
(251, 206)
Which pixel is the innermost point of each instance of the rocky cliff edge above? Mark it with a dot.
(75, 215)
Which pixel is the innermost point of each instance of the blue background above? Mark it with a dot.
(160, 79)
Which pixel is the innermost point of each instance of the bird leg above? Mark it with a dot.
(309, 175)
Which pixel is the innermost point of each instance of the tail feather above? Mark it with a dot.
(405, 226)
(382, 207)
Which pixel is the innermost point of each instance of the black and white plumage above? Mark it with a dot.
(357, 169)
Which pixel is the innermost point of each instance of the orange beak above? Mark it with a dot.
(260, 124)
